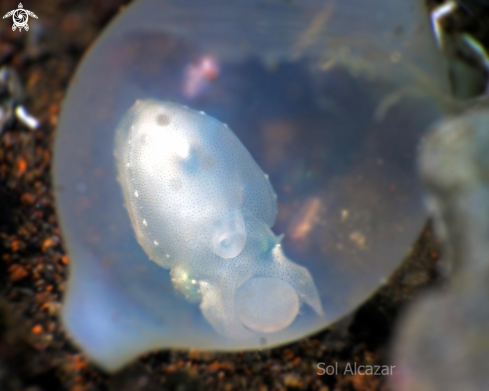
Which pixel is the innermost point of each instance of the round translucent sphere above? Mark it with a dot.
(280, 209)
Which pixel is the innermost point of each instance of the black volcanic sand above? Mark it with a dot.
(36, 353)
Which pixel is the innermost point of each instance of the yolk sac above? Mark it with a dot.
(266, 305)
(206, 235)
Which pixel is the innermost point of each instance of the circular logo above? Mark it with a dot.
(20, 17)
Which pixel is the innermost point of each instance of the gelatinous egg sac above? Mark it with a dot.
(202, 207)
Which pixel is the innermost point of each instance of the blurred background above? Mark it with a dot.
(35, 352)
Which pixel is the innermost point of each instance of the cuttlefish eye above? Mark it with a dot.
(229, 236)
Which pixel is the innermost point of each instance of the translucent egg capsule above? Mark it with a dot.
(264, 185)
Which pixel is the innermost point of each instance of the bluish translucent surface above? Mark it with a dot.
(329, 98)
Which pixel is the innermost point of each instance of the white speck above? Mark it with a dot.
(168, 255)
(27, 119)
(278, 254)
(145, 222)
(136, 194)
(202, 112)
(226, 125)
(266, 176)
(439, 13)
(194, 282)
(155, 242)
(128, 165)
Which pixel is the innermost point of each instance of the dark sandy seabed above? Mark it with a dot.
(36, 353)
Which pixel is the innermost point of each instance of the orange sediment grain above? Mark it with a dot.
(15, 246)
(22, 166)
(37, 329)
(48, 243)
(17, 272)
(79, 362)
